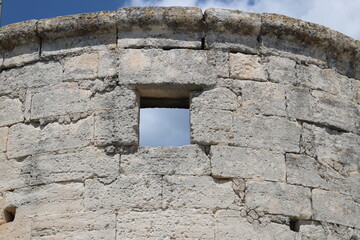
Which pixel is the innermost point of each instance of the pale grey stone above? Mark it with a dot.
(241, 162)
(312, 230)
(17, 230)
(21, 54)
(84, 66)
(272, 133)
(126, 192)
(26, 139)
(197, 192)
(116, 127)
(335, 208)
(119, 98)
(279, 198)
(165, 224)
(282, 70)
(10, 111)
(3, 138)
(246, 67)
(10, 177)
(185, 160)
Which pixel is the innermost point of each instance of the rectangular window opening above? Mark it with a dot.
(164, 122)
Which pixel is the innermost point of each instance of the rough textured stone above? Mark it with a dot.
(336, 208)
(26, 139)
(22, 54)
(197, 192)
(3, 138)
(10, 177)
(247, 163)
(10, 111)
(119, 98)
(186, 160)
(246, 67)
(126, 192)
(168, 224)
(279, 198)
(282, 70)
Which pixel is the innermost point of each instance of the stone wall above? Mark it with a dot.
(275, 144)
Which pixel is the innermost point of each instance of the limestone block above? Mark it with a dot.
(246, 67)
(60, 100)
(82, 225)
(34, 75)
(160, 27)
(185, 160)
(27, 139)
(312, 230)
(11, 176)
(71, 166)
(22, 54)
(10, 111)
(3, 138)
(217, 98)
(84, 66)
(116, 127)
(279, 198)
(232, 30)
(136, 192)
(241, 162)
(17, 230)
(282, 70)
(119, 98)
(168, 224)
(48, 199)
(197, 192)
(323, 108)
(263, 98)
(177, 66)
(335, 208)
(272, 133)
(230, 225)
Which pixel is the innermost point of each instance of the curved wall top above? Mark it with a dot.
(275, 132)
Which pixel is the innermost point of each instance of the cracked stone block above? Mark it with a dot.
(230, 225)
(335, 208)
(279, 198)
(197, 192)
(165, 224)
(33, 75)
(119, 98)
(268, 132)
(3, 138)
(136, 192)
(71, 166)
(25, 139)
(227, 162)
(282, 70)
(86, 225)
(10, 111)
(188, 67)
(60, 100)
(185, 160)
(247, 67)
(116, 127)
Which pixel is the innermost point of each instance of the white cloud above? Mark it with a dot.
(340, 15)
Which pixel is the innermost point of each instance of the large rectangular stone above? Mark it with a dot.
(197, 192)
(187, 68)
(136, 192)
(241, 162)
(25, 139)
(11, 176)
(3, 138)
(168, 224)
(10, 111)
(279, 198)
(118, 98)
(282, 70)
(247, 67)
(335, 208)
(185, 160)
(268, 132)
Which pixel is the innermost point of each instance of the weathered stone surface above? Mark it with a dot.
(230, 225)
(10, 111)
(22, 54)
(197, 192)
(273, 133)
(232, 30)
(247, 163)
(186, 160)
(27, 139)
(17, 230)
(279, 198)
(168, 224)
(3, 138)
(34, 75)
(10, 177)
(162, 27)
(282, 70)
(119, 98)
(16, 34)
(116, 127)
(126, 192)
(188, 67)
(335, 208)
(246, 67)
(60, 100)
